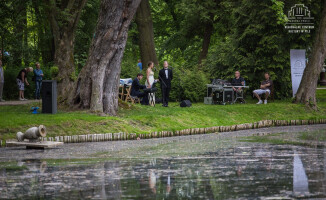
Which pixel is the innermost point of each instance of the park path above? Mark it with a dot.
(14, 103)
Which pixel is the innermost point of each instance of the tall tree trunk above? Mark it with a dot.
(64, 17)
(206, 41)
(146, 34)
(307, 90)
(97, 86)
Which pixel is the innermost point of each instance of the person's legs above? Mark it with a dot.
(267, 92)
(143, 95)
(1, 91)
(38, 85)
(256, 93)
(36, 89)
(164, 95)
(21, 94)
(21, 88)
(167, 96)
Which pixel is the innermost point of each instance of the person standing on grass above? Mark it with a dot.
(2, 80)
(38, 75)
(265, 88)
(165, 77)
(21, 80)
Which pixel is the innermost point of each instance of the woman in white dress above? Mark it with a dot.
(150, 80)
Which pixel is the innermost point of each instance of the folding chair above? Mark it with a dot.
(127, 94)
(121, 92)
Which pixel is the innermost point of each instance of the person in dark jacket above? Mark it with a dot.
(165, 77)
(136, 87)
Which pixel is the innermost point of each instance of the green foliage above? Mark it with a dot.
(257, 42)
(85, 32)
(10, 90)
(248, 35)
(54, 71)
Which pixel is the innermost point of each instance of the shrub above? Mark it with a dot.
(10, 90)
(54, 71)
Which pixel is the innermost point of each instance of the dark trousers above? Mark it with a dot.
(38, 85)
(165, 95)
(143, 95)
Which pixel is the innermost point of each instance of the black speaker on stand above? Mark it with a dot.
(185, 103)
(49, 96)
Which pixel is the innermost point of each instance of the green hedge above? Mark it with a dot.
(10, 90)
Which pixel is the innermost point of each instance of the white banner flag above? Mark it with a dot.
(298, 64)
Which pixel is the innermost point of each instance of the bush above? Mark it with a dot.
(188, 84)
(54, 71)
(10, 90)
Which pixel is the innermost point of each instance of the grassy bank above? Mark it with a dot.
(143, 119)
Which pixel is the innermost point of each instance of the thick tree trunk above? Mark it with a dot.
(98, 83)
(307, 90)
(146, 34)
(206, 41)
(64, 29)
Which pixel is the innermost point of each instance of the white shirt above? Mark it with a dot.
(166, 73)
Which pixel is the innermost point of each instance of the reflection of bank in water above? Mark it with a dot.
(33, 165)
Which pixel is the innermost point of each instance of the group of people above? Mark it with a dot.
(165, 77)
(265, 86)
(21, 80)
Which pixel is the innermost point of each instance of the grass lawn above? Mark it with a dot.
(143, 119)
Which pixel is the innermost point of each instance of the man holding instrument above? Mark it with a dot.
(165, 77)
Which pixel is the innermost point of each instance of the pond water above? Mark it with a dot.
(235, 171)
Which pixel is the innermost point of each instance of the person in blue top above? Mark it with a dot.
(140, 65)
(38, 75)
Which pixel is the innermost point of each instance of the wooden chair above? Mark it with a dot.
(135, 100)
(121, 92)
(272, 93)
(127, 96)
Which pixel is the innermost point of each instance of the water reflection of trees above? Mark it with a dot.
(259, 170)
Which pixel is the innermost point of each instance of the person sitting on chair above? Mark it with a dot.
(265, 88)
(135, 89)
(237, 81)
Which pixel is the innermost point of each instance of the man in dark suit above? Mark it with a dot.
(165, 76)
(136, 87)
